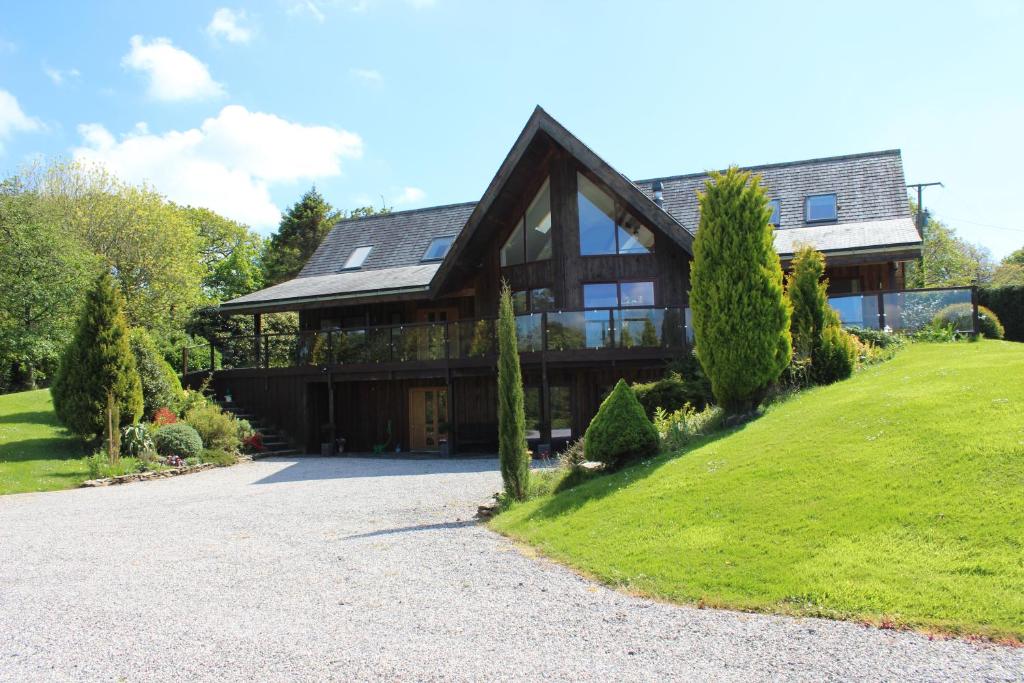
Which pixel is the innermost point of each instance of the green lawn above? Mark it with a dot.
(896, 497)
(36, 454)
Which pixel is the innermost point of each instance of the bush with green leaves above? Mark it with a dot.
(961, 315)
(97, 389)
(677, 428)
(217, 429)
(836, 356)
(671, 392)
(178, 439)
(160, 385)
(218, 457)
(136, 441)
(740, 316)
(620, 432)
(882, 339)
(1007, 302)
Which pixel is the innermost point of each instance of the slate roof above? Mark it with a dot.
(872, 206)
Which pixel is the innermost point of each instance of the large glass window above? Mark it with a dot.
(605, 226)
(561, 412)
(821, 207)
(438, 248)
(531, 238)
(533, 300)
(357, 258)
(616, 294)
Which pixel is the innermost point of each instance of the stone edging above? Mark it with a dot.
(146, 476)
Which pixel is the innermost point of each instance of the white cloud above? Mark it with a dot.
(371, 76)
(58, 76)
(173, 73)
(310, 7)
(228, 24)
(410, 195)
(226, 164)
(13, 119)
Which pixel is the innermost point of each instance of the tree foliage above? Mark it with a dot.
(620, 432)
(947, 260)
(160, 385)
(303, 227)
(740, 317)
(97, 388)
(512, 452)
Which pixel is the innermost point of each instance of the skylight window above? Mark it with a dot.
(820, 207)
(356, 258)
(438, 248)
(775, 206)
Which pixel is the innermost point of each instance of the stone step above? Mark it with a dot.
(274, 454)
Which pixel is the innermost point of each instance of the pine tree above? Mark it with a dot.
(512, 453)
(303, 227)
(740, 317)
(97, 388)
(806, 291)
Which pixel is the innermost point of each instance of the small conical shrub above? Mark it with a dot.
(97, 389)
(806, 290)
(620, 432)
(740, 317)
(512, 453)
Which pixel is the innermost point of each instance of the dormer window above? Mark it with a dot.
(820, 208)
(438, 248)
(531, 238)
(356, 258)
(776, 211)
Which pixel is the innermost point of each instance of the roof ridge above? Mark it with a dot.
(781, 164)
(423, 209)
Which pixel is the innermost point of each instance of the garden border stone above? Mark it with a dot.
(146, 476)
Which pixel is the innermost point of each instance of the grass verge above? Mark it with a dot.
(36, 453)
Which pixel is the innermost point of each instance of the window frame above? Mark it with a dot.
(835, 208)
(776, 212)
(352, 254)
(531, 308)
(451, 240)
(620, 209)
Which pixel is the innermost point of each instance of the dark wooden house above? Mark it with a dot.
(396, 311)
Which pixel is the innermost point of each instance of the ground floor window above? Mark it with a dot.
(561, 412)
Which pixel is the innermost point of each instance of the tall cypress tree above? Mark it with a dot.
(97, 388)
(740, 317)
(515, 461)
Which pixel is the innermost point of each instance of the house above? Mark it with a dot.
(396, 311)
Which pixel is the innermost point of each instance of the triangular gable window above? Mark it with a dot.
(605, 226)
(531, 238)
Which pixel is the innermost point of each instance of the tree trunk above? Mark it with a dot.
(113, 433)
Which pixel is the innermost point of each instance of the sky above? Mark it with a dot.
(242, 107)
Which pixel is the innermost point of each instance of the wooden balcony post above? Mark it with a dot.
(975, 323)
(881, 311)
(257, 327)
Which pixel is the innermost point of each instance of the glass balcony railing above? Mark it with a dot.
(900, 311)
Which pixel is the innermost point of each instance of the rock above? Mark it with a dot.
(591, 466)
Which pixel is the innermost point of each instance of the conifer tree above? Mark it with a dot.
(512, 453)
(303, 227)
(740, 317)
(807, 294)
(97, 388)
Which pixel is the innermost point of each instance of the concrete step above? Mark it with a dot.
(275, 454)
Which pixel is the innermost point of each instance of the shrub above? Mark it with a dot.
(620, 432)
(934, 333)
(219, 457)
(164, 416)
(160, 385)
(882, 339)
(179, 440)
(573, 455)
(100, 467)
(740, 317)
(136, 441)
(671, 392)
(1007, 303)
(960, 316)
(806, 290)
(836, 357)
(253, 443)
(677, 428)
(217, 429)
(512, 453)
(97, 390)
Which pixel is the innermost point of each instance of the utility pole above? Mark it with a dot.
(920, 204)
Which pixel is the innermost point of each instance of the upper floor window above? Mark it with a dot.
(605, 226)
(616, 294)
(531, 238)
(776, 210)
(820, 207)
(438, 248)
(357, 258)
(533, 300)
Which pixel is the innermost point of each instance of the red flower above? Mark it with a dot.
(164, 416)
(253, 442)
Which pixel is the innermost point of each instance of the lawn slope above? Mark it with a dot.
(36, 454)
(896, 497)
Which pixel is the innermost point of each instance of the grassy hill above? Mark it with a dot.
(36, 454)
(896, 497)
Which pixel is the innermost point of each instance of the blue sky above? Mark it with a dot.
(242, 106)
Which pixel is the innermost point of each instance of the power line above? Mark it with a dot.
(984, 225)
(920, 203)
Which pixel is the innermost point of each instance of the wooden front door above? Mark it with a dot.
(428, 417)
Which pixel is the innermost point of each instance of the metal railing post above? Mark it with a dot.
(976, 324)
(881, 311)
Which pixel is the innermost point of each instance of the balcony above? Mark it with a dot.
(564, 335)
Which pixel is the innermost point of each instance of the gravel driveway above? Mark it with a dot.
(359, 569)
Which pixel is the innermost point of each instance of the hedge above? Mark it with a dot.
(1008, 304)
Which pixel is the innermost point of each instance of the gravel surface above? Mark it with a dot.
(358, 569)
